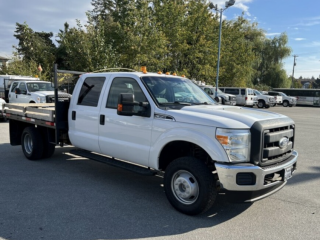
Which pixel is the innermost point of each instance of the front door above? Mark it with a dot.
(125, 137)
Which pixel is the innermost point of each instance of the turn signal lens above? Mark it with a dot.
(120, 107)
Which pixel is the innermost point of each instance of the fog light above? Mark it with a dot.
(246, 179)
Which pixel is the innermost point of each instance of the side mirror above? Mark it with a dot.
(126, 106)
(17, 91)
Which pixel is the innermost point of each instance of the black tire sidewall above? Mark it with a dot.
(285, 104)
(261, 102)
(37, 141)
(205, 179)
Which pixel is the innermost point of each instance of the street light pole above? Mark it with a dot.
(211, 6)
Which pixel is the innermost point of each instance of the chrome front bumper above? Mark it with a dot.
(228, 173)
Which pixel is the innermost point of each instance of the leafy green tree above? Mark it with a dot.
(35, 47)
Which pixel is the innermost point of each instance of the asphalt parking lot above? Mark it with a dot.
(70, 198)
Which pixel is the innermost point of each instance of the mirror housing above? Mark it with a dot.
(126, 106)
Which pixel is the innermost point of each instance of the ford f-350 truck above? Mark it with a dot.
(154, 123)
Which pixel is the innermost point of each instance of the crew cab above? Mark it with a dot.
(159, 124)
(33, 92)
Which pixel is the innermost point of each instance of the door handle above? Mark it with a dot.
(73, 117)
(102, 118)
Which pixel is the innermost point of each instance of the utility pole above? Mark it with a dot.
(294, 64)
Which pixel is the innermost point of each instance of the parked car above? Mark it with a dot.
(264, 100)
(277, 96)
(223, 98)
(244, 96)
(33, 92)
(287, 100)
(2, 116)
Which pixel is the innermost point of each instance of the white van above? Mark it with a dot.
(244, 96)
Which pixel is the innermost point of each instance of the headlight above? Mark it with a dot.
(236, 143)
(41, 99)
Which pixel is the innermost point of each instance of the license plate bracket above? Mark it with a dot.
(288, 173)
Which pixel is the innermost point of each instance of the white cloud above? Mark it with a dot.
(272, 34)
(300, 39)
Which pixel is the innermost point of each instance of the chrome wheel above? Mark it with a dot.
(185, 187)
(28, 143)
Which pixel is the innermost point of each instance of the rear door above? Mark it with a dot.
(84, 113)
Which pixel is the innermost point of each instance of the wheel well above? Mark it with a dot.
(177, 149)
(261, 100)
(32, 102)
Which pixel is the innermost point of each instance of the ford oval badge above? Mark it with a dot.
(283, 143)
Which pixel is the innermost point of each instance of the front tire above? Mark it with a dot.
(32, 143)
(190, 186)
(285, 104)
(261, 104)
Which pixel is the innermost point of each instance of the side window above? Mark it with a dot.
(23, 88)
(125, 85)
(232, 91)
(14, 86)
(90, 91)
(243, 92)
(317, 94)
(207, 90)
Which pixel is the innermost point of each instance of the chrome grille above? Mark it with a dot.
(273, 151)
(272, 141)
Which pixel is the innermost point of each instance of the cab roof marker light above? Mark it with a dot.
(144, 69)
(183, 75)
(167, 73)
(159, 72)
(174, 74)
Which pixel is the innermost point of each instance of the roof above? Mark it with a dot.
(3, 58)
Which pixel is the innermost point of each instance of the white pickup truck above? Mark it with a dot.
(158, 124)
(33, 92)
(264, 100)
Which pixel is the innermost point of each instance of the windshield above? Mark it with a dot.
(173, 90)
(283, 94)
(39, 86)
(257, 92)
(213, 89)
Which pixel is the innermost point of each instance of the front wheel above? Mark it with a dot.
(261, 104)
(285, 104)
(32, 143)
(189, 185)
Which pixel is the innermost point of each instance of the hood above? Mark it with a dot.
(222, 115)
(45, 93)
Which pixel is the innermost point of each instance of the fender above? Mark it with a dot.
(199, 137)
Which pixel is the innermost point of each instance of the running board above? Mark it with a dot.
(114, 163)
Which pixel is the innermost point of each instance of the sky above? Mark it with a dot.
(300, 20)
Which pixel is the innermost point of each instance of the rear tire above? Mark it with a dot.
(32, 143)
(190, 185)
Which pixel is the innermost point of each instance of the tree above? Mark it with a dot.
(35, 47)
